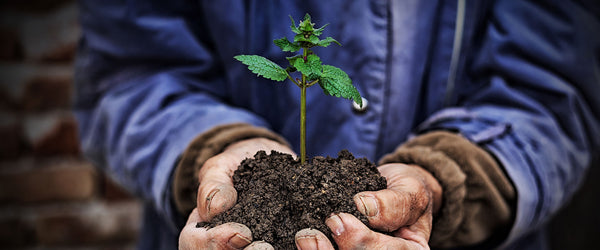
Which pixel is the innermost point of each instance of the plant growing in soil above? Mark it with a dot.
(279, 195)
(333, 81)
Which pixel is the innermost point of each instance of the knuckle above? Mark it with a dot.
(409, 208)
(419, 201)
(213, 162)
(216, 244)
(423, 198)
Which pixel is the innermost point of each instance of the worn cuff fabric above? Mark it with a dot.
(478, 197)
(203, 147)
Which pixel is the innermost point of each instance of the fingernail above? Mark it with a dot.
(369, 205)
(335, 224)
(306, 242)
(260, 245)
(209, 198)
(238, 241)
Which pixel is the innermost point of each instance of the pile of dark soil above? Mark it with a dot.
(278, 196)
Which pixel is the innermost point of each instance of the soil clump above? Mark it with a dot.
(278, 196)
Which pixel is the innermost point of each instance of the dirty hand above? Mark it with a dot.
(405, 209)
(217, 194)
(225, 236)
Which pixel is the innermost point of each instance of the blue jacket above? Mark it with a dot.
(520, 79)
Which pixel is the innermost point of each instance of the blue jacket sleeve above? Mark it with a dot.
(147, 83)
(530, 97)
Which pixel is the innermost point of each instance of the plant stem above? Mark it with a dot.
(303, 87)
(292, 79)
(303, 124)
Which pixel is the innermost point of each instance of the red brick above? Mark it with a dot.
(33, 6)
(6, 101)
(52, 36)
(35, 88)
(11, 132)
(102, 224)
(112, 192)
(16, 232)
(9, 44)
(74, 182)
(13, 81)
(46, 93)
(52, 134)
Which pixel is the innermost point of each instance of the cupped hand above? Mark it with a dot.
(350, 233)
(405, 210)
(216, 193)
(411, 193)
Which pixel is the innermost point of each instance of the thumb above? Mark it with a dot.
(214, 198)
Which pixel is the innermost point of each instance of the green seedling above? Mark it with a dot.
(333, 81)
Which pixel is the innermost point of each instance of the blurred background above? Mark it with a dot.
(52, 198)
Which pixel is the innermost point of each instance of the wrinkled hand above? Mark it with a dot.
(217, 194)
(225, 236)
(405, 209)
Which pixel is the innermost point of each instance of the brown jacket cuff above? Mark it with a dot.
(203, 147)
(477, 195)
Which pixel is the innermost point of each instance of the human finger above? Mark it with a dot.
(307, 239)
(193, 218)
(389, 209)
(231, 235)
(216, 192)
(420, 231)
(215, 197)
(350, 233)
(259, 245)
(405, 199)
(225, 236)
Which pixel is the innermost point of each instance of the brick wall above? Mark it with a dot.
(50, 197)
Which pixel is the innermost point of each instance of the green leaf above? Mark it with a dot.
(286, 45)
(313, 39)
(293, 27)
(305, 25)
(335, 82)
(307, 17)
(319, 31)
(312, 67)
(301, 38)
(306, 40)
(263, 67)
(292, 59)
(327, 41)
